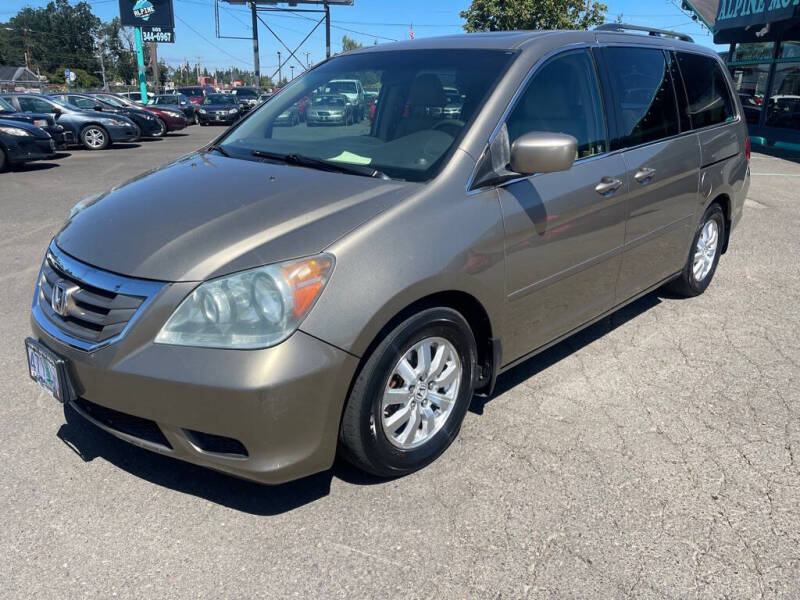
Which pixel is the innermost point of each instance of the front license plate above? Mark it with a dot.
(46, 369)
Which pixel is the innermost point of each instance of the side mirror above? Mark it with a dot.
(540, 152)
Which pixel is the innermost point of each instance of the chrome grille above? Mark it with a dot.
(91, 307)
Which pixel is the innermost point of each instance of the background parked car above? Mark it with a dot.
(134, 96)
(353, 91)
(333, 109)
(179, 101)
(169, 119)
(146, 122)
(22, 142)
(92, 129)
(290, 117)
(195, 93)
(221, 109)
(247, 97)
(44, 121)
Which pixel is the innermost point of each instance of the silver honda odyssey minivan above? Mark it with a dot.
(290, 292)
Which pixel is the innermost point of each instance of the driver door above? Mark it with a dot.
(564, 230)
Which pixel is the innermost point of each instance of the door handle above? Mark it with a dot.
(644, 175)
(607, 186)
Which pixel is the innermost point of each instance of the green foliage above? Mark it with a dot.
(350, 44)
(504, 15)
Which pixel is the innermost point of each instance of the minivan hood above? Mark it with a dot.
(206, 215)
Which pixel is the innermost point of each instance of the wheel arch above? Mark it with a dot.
(473, 311)
(725, 203)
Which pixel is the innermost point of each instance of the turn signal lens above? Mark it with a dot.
(306, 279)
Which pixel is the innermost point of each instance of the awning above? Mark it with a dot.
(756, 20)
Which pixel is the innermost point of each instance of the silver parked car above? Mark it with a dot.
(352, 287)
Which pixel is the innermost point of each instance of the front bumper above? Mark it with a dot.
(27, 149)
(281, 404)
(175, 123)
(326, 120)
(149, 127)
(126, 133)
(212, 119)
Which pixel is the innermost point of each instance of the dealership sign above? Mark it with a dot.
(147, 13)
(753, 16)
(162, 35)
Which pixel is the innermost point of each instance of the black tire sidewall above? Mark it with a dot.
(163, 125)
(384, 458)
(3, 160)
(712, 212)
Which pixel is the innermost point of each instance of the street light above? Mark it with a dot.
(292, 69)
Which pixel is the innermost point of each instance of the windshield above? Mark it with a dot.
(406, 137)
(342, 87)
(191, 92)
(172, 99)
(328, 100)
(5, 106)
(245, 93)
(62, 104)
(219, 99)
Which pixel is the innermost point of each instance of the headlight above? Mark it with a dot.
(40, 122)
(202, 111)
(257, 308)
(83, 205)
(233, 111)
(113, 122)
(16, 131)
(148, 117)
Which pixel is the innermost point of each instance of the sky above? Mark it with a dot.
(366, 21)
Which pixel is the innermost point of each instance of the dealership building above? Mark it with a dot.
(764, 61)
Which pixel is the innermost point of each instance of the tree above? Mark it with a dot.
(350, 44)
(504, 15)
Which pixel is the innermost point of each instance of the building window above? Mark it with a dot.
(751, 84)
(783, 108)
(753, 51)
(790, 50)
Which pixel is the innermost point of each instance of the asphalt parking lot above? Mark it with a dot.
(654, 455)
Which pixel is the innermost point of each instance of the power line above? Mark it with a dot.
(212, 43)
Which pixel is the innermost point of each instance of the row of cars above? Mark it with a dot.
(36, 126)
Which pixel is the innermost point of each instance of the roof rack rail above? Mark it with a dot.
(622, 27)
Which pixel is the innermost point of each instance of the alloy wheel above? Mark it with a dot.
(94, 137)
(421, 392)
(706, 250)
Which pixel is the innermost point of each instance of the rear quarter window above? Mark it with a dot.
(710, 101)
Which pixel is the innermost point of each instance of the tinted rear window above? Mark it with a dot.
(644, 94)
(710, 101)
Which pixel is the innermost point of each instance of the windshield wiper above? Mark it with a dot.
(320, 163)
(219, 149)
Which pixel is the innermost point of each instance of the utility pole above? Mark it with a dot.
(154, 63)
(292, 71)
(256, 60)
(327, 31)
(280, 76)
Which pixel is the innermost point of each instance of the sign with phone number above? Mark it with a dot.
(158, 34)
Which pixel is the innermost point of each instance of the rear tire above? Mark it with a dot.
(704, 255)
(428, 403)
(95, 137)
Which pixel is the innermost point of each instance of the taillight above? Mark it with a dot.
(747, 149)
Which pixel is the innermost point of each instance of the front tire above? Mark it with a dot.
(162, 127)
(704, 255)
(3, 160)
(409, 400)
(94, 137)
